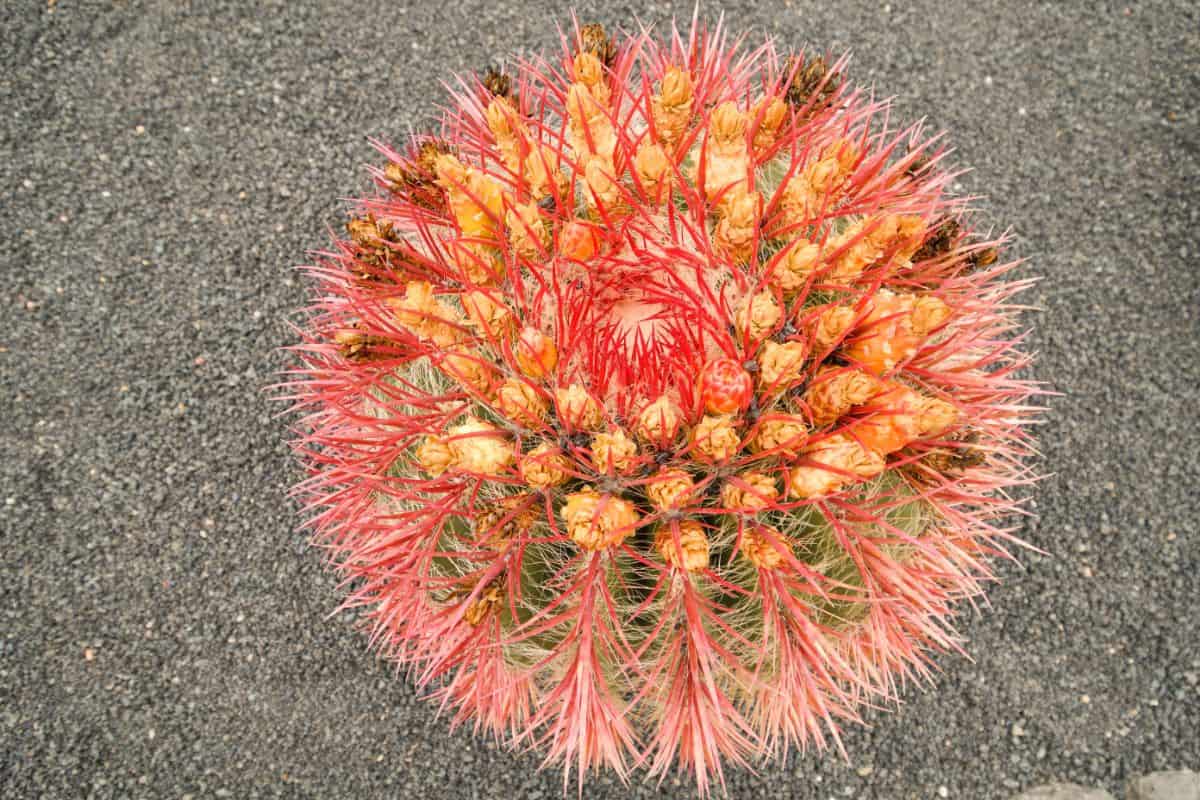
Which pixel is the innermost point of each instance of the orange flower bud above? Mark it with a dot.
(691, 553)
(520, 402)
(837, 461)
(535, 352)
(479, 447)
(597, 521)
(659, 422)
(749, 491)
(434, 455)
(578, 241)
(544, 466)
(762, 551)
(716, 437)
(578, 409)
(613, 450)
(669, 488)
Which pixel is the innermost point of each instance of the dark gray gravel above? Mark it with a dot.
(163, 166)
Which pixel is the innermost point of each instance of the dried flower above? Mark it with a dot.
(758, 315)
(485, 604)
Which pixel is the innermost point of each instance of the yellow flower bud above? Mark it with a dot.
(434, 455)
(935, 416)
(587, 69)
(727, 125)
(780, 364)
(597, 521)
(544, 466)
(781, 433)
(526, 231)
(577, 408)
(691, 553)
(838, 460)
(489, 316)
(835, 391)
(669, 488)
(652, 166)
(676, 87)
(479, 447)
(659, 422)
(831, 326)
(520, 402)
(792, 270)
(467, 366)
(758, 315)
(749, 491)
(760, 549)
(613, 450)
(716, 437)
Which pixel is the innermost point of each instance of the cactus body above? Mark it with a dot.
(660, 407)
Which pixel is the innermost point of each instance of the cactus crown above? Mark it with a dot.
(661, 406)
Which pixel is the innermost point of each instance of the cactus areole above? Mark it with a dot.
(661, 405)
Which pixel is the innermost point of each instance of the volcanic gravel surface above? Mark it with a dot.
(165, 629)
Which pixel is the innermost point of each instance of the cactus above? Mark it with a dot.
(660, 408)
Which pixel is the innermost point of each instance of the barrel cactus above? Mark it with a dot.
(660, 406)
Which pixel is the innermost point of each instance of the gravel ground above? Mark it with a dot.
(164, 164)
